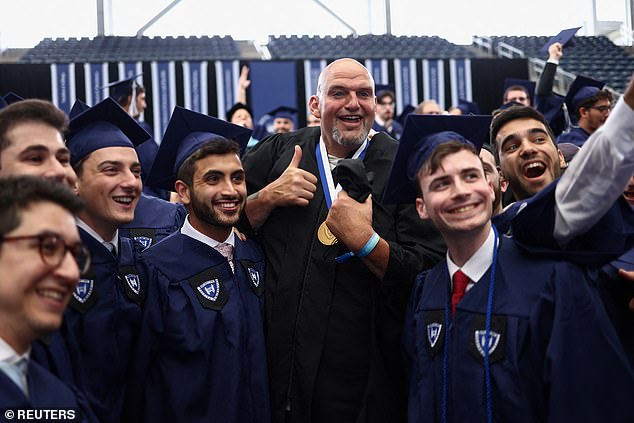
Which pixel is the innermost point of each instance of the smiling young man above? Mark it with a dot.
(41, 257)
(104, 316)
(32, 143)
(470, 316)
(201, 354)
(333, 329)
(581, 216)
(525, 147)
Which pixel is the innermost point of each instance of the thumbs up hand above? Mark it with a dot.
(294, 187)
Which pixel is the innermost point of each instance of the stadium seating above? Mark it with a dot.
(113, 49)
(364, 47)
(594, 56)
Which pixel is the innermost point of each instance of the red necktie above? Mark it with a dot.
(460, 282)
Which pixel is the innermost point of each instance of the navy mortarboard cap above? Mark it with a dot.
(568, 150)
(186, 132)
(104, 125)
(468, 107)
(122, 88)
(529, 86)
(284, 112)
(407, 110)
(509, 104)
(565, 37)
(78, 107)
(3, 103)
(551, 107)
(12, 97)
(581, 89)
(235, 108)
(421, 136)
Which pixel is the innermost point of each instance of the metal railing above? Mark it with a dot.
(508, 51)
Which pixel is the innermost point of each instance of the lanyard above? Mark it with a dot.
(327, 183)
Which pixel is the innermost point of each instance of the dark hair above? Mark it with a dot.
(219, 145)
(385, 93)
(515, 88)
(19, 192)
(235, 108)
(434, 161)
(589, 102)
(31, 110)
(513, 113)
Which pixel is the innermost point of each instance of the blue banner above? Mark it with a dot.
(273, 84)
(378, 70)
(405, 83)
(227, 74)
(460, 70)
(434, 81)
(195, 86)
(63, 85)
(96, 77)
(163, 95)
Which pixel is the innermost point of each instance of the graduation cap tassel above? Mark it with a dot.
(487, 336)
(444, 367)
(567, 120)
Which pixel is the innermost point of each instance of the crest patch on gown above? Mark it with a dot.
(85, 294)
(83, 291)
(433, 333)
(133, 285)
(133, 282)
(255, 276)
(144, 241)
(209, 288)
(481, 344)
(434, 326)
(143, 237)
(496, 344)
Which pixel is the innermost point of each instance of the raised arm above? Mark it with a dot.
(598, 174)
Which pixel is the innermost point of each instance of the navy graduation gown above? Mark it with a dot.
(555, 355)
(201, 353)
(576, 136)
(531, 223)
(154, 219)
(396, 132)
(101, 326)
(45, 392)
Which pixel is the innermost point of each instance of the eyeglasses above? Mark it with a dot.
(517, 99)
(53, 249)
(601, 109)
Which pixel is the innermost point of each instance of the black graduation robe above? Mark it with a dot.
(333, 330)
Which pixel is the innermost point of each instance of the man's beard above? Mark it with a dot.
(350, 142)
(206, 212)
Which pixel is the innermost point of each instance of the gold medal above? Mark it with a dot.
(325, 236)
